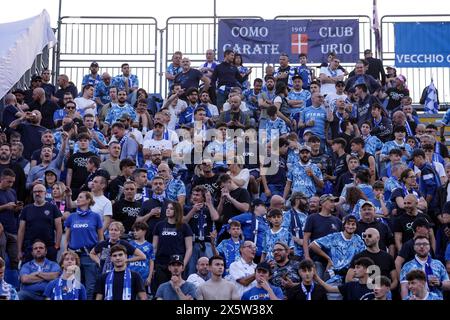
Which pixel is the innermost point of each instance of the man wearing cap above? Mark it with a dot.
(368, 220)
(254, 225)
(319, 225)
(381, 258)
(303, 176)
(341, 247)
(338, 93)
(263, 289)
(92, 78)
(176, 288)
(36, 82)
(375, 67)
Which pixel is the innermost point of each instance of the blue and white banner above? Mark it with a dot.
(260, 41)
(422, 44)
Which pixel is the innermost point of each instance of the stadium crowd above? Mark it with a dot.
(302, 185)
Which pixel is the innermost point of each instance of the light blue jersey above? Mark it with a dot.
(301, 182)
(372, 144)
(282, 235)
(295, 221)
(133, 82)
(230, 251)
(275, 128)
(174, 189)
(319, 115)
(117, 111)
(388, 146)
(437, 268)
(217, 147)
(340, 250)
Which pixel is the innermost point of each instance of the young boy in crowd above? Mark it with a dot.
(145, 267)
(275, 234)
(229, 248)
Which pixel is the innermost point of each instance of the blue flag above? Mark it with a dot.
(431, 102)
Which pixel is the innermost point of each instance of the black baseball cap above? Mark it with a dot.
(264, 266)
(176, 258)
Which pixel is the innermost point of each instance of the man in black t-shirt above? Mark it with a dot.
(115, 188)
(403, 224)
(126, 210)
(354, 290)
(381, 259)
(121, 283)
(233, 200)
(39, 220)
(207, 179)
(190, 78)
(307, 289)
(77, 172)
(20, 179)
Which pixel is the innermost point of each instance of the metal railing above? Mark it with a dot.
(110, 41)
(417, 78)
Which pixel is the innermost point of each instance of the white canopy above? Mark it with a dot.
(20, 43)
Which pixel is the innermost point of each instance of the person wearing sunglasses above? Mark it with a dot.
(383, 260)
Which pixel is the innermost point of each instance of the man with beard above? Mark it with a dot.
(436, 274)
(189, 78)
(48, 140)
(364, 103)
(265, 100)
(117, 110)
(285, 274)
(127, 168)
(30, 129)
(5, 163)
(128, 146)
(37, 173)
(368, 220)
(141, 179)
(202, 275)
(39, 220)
(207, 179)
(76, 165)
(154, 209)
(151, 165)
(383, 260)
(112, 164)
(304, 176)
(127, 210)
(200, 216)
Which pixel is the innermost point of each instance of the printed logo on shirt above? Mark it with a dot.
(46, 212)
(169, 233)
(131, 212)
(80, 225)
(80, 162)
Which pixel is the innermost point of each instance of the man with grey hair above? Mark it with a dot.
(45, 106)
(242, 271)
(16, 157)
(202, 275)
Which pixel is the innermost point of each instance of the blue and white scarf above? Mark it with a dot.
(306, 292)
(159, 197)
(83, 213)
(126, 291)
(72, 286)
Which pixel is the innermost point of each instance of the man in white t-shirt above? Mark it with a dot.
(85, 104)
(102, 204)
(202, 274)
(157, 141)
(175, 105)
(329, 76)
(168, 134)
(242, 271)
(331, 98)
